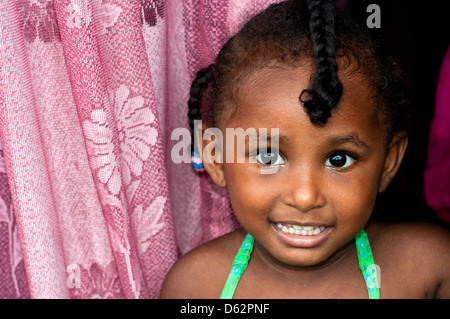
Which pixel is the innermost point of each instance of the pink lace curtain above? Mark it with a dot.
(91, 203)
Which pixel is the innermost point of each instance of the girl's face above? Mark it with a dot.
(327, 178)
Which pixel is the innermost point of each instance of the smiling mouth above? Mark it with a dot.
(300, 230)
(302, 236)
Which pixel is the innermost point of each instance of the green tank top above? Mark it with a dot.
(365, 258)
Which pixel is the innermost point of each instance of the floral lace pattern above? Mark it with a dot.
(152, 11)
(91, 205)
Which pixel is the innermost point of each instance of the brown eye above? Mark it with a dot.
(339, 160)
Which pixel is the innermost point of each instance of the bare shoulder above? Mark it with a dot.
(421, 251)
(202, 272)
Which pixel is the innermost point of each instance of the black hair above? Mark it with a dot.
(285, 33)
(326, 88)
(198, 87)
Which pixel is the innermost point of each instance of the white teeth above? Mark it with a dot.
(300, 230)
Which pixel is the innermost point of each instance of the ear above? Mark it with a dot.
(394, 157)
(209, 141)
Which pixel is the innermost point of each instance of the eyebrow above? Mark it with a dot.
(352, 138)
(281, 138)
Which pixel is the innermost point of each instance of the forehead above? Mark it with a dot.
(269, 98)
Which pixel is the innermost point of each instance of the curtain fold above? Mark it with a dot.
(437, 172)
(91, 203)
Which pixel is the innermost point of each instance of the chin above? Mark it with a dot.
(304, 260)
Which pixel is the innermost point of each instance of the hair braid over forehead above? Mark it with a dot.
(326, 88)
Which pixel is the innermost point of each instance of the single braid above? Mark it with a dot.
(326, 88)
(198, 87)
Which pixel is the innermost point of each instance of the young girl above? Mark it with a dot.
(335, 96)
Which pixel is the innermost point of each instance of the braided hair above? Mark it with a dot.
(292, 30)
(198, 87)
(326, 88)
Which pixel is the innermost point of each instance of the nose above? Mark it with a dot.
(305, 191)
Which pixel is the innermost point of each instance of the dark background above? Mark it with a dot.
(418, 34)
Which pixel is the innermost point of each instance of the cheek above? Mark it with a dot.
(354, 197)
(249, 194)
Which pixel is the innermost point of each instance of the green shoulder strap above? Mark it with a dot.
(239, 265)
(367, 265)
